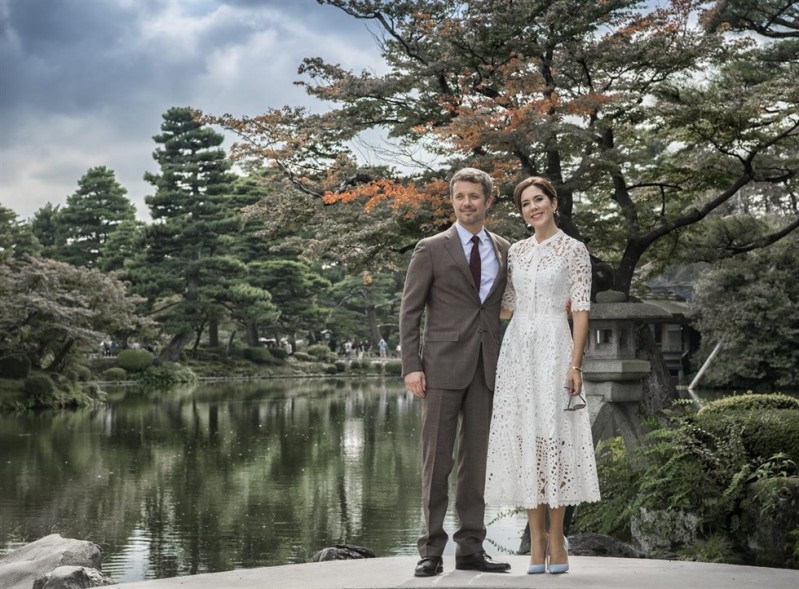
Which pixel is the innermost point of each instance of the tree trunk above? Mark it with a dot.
(371, 317)
(171, 353)
(213, 333)
(251, 334)
(57, 364)
(230, 343)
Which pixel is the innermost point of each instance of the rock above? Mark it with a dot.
(611, 296)
(20, 568)
(590, 545)
(771, 514)
(72, 577)
(658, 530)
(601, 545)
(342, 552)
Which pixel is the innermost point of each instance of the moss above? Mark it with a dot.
(134, 360)
(763, 433)
(749, 402)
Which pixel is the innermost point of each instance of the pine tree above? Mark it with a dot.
(185, 270)
(91, 215)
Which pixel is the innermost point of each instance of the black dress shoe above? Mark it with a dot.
(429, 566)
(480, 561)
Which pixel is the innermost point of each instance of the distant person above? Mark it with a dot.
(456, 279)
(382, 348)
(540, 450)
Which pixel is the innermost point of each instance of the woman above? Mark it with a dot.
(540, 450)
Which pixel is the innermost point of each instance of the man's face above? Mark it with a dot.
(470, 204)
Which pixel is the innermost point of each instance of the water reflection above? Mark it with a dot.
(223, 476)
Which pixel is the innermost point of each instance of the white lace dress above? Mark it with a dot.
(538, 453)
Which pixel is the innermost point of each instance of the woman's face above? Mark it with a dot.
(537, 209)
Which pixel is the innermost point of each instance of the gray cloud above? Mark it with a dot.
(84, 82)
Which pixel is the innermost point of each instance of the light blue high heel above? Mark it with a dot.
(537, 569)
(556, 569)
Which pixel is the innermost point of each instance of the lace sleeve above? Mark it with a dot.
(579, 277)
(509, 297)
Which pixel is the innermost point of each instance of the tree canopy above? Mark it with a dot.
(647, 121)
(748, 305)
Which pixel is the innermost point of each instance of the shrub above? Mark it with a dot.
(304, 357)
(83, 373)
(258, 355)
(279, 353)
(749, 402)
(763, 433)
(15, 366)
(340, 365)
(115, 373)
(355, 364)
(331, 369)
(318, 351)
(134, 360)
(167, 375)
(392, 368)
(38, 386)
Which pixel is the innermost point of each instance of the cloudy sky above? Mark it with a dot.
(84, 83)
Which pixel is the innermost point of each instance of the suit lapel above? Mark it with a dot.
(453, 245)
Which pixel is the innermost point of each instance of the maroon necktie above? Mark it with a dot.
(474, 261)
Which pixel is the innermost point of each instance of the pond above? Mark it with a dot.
(224, 476)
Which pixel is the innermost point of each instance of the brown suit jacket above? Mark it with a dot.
(457, 326)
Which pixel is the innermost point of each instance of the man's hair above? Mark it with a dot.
(473, 175)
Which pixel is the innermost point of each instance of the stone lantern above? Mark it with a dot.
(611, 372)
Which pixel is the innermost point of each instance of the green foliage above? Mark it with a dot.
(258, 355)
(39, 386)
(340, 365)
(749, 305)
(82, 373)
(772, 511)
(166, 375)
(134, 360)
(114, 374)
(749, 402)
(704, 465)
(16, 238)
(318, 351)
(542, 88)
(49, 310)
(714, 548)
(303, 357)
(392, 368)
(279, 353)
(331, 369)
(90, 217)
(15, 366)
(618, 480)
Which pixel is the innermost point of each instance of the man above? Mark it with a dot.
(458, 282)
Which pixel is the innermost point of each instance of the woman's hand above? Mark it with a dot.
(574, 381)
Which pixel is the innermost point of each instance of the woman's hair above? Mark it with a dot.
(475, 176)
(544, 184)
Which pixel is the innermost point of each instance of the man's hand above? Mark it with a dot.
(416, 383)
